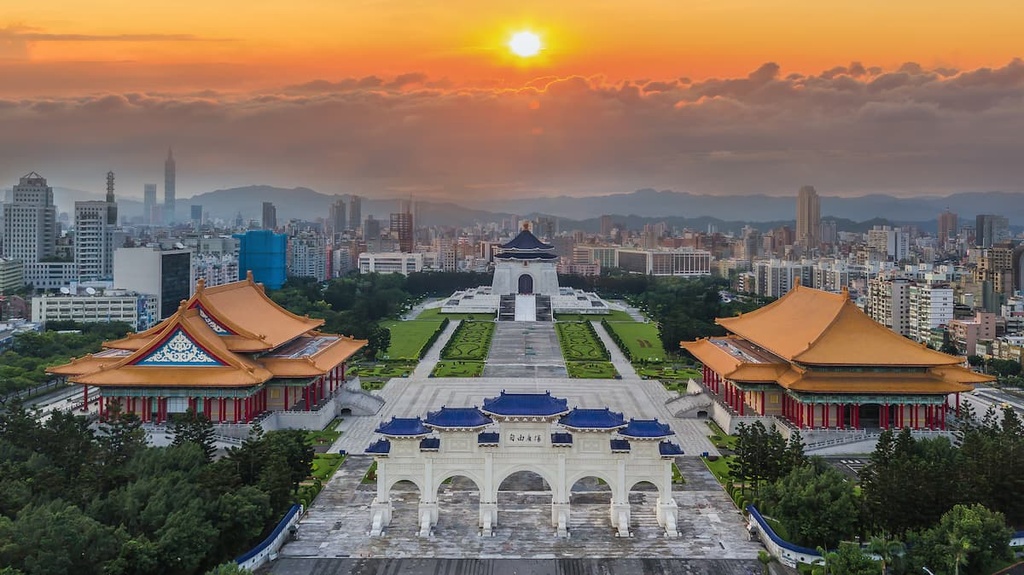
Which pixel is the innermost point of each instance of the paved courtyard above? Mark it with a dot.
(333, 536)
(336, 524)
(525, 349)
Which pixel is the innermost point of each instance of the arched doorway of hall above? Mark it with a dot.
(405, 502)
(458, 506)
(643, 511)
(525, 284)
(590, 500)
(524, 502)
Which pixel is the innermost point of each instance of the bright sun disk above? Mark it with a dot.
(525, 44)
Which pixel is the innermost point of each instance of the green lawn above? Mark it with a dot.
(591, 369)
(471, 341)
(719, 468)
(641, 339)
(579, 342)
(325, 437)
(615, 315)
(458, 369)
(435, 313)
(409, 337)
(325, 464)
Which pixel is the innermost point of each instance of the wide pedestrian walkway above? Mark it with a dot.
(525, 349)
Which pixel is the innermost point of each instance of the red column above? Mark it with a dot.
(914, 416)
(286, 398)
(958, 404)
(825, 414)
(741, 399)
(305, 396)
(222, 405)
(762, 402)
(163, 409)
(85, 398)
(942, 420)
(235, 411)
(855, 415)
(103, 411)
(839, 415)
(885, 416)
(144, 415)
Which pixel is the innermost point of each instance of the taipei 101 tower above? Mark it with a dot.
(169, 188)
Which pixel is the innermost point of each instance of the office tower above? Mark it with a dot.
(339, 218)
(547, 227)
(197, 215)
(95, 223)
(169, 175)
(402, 230)
(947, 226)
(606, 226)
(307, 256)
(355, 214)
(148, 203)
(808, 218)
(269, 216)
(167, 274)
(264, 253)
(829, 232)
(990, 229)
(30, 221)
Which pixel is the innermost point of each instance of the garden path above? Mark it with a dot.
(433, 355)
(622, 365)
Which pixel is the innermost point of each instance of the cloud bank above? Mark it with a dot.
(849, 130)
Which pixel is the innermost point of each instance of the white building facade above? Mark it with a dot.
(390, 263)
(137, 310)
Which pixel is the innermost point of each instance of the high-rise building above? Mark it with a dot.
(265, 254)
(308, 256)
(95, 223)
(167, 274)
(889, 302)
(355, 214)
(269, 216)
(30, 221)
(402, 229)
(808, 218)
(606, 226)
(991, 229)
(169, 177)
(339, 218)
(947, 227)
(196, 213)
(149, 204)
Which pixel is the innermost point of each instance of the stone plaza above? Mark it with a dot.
(337, 526)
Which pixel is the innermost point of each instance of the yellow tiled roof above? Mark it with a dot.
(814, 327)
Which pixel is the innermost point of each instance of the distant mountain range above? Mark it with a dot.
(632, 209)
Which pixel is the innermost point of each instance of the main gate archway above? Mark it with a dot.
(532, 439)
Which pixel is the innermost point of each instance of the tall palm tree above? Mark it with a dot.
(886, 549)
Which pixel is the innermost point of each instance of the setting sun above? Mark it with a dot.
(525, 44)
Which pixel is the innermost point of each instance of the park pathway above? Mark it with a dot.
(622, 365)
(433, 355)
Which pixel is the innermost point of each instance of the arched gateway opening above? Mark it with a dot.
(524, 501)
(458, 505)
(643, 504)
(405, 500)
(590, 500)
(525, 284)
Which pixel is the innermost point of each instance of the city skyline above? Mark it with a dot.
(384, 100)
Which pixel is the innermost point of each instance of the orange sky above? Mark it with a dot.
(270, 42)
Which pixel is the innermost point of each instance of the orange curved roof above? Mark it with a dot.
(814, 327)
(339, 349)
(251, 310)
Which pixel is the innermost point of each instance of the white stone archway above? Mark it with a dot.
(524, 432)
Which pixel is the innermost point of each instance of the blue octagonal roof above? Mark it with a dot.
(646, 429)
(403, 427)
(526, 241)
(593, 419)
(525, 404)
(457, 417)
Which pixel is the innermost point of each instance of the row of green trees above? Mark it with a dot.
(24, 365)
(74, 500)
(951, 504)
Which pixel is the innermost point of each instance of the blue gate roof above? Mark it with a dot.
(379, 447)
(457, 417)
(525, 404)
(403, 427)
(669, 449)
(593, 419)
(646, 429)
